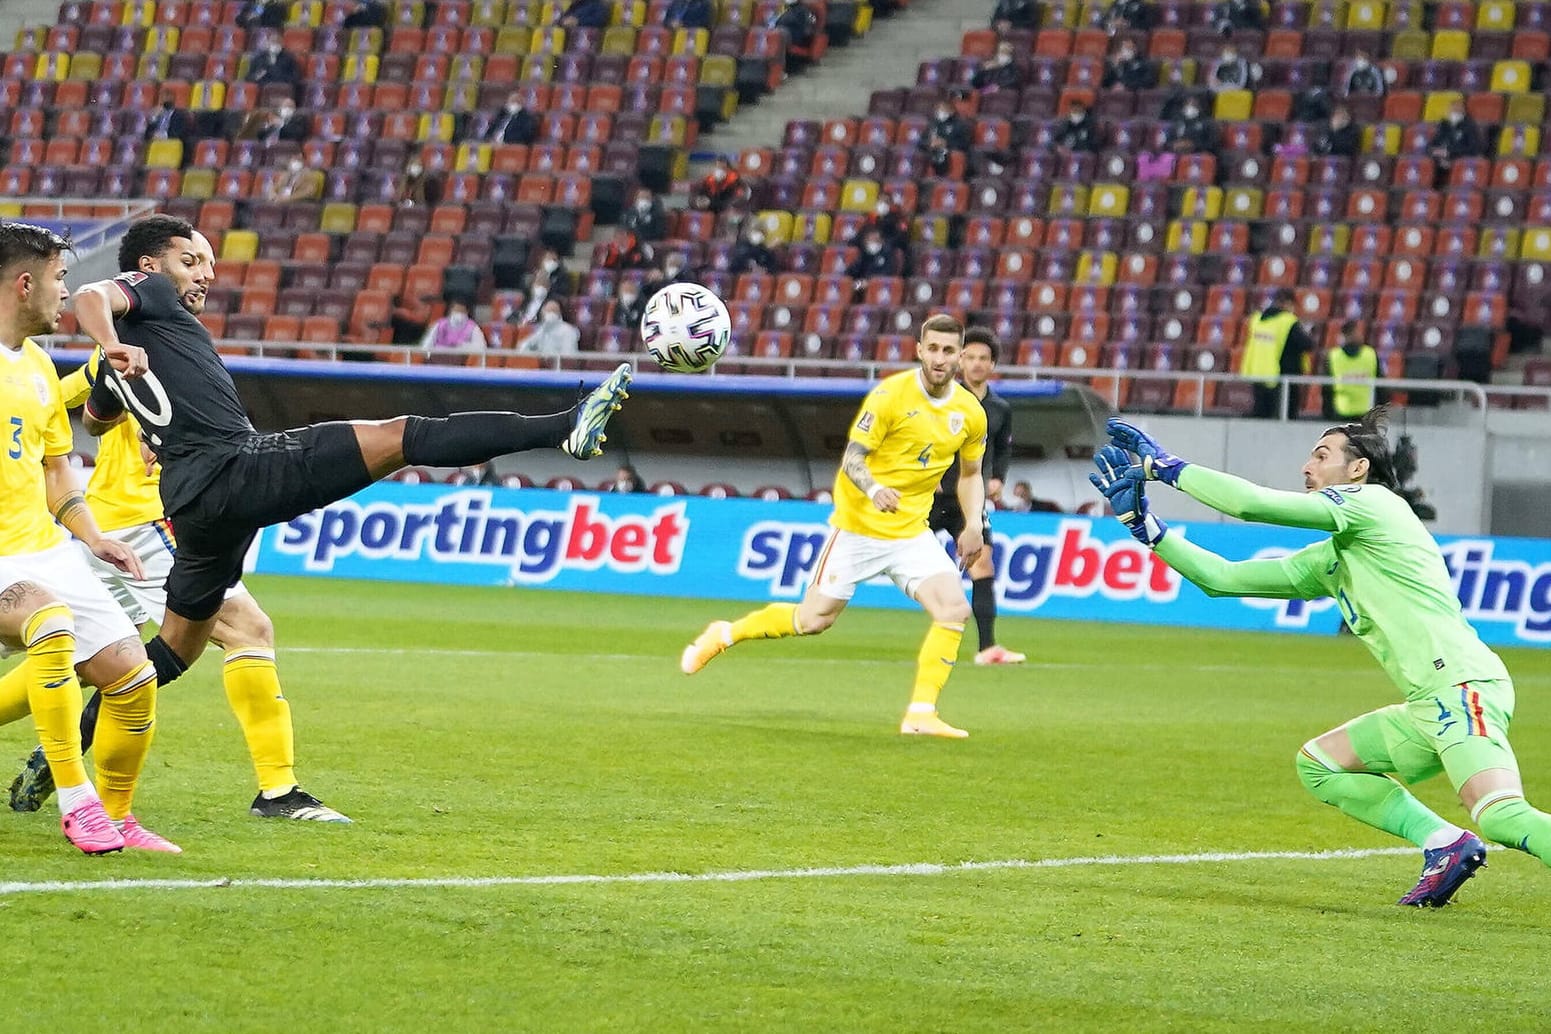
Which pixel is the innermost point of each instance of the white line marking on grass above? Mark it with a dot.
(731, 876)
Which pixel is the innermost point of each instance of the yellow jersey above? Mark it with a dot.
(35, 426)
(911, 438)
(120, 493)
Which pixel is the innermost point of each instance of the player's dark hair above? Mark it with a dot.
(1365, 439)
(984, 336)
(942, 323)
(150, 236)
(26, 243)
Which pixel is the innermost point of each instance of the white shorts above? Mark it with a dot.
(143, 599)
(99, 621)
(850, 559)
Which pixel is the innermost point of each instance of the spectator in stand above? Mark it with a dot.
(1138, 15)
(1275, 345)
(1231, 71)
(366, 14)
(586, 14)
(629, 305)
(647, 218)
(625, 251)
(689, 14)
(1340, 137)
(948, 133)
(627, 480)
(263, 14)
(169, 122)
(271, 125)
(296, 183)
(553, 336)
(550, 280)
(1022, 498)
(1366, 79)
(675, 269)
(1000, 73)
(800, 25)
(455, 331)
(891, 223)
(1129, 70)
(513, 124)
(1008, 15)
(274, 65)
(1078, 133)
(418, 186)
(1193, 132)
(721, 188)
(750, 252)
(1457, 136)
(1232, 15)
(874, 259)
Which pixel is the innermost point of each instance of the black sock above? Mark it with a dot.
(982, 600)
(89, 721)
(464, 439)
(167, 663)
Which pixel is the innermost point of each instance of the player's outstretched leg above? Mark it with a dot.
(939, 653)
(777, 621)
(1444, 870)
(586, 438)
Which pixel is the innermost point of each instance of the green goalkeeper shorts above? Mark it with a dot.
(1463, 731)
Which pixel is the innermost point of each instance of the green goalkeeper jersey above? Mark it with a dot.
(1380, 565)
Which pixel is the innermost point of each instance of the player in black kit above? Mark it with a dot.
(976, 363)
(221, 479)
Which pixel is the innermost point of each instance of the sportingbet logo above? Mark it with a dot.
(1511, 591)
(1030, 569)
(463, 528)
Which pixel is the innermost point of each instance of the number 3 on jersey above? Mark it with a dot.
(15, 451)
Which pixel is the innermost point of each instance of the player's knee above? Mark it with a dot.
(952, 612)
(1312, 773)
(813, 624)
(242, 622)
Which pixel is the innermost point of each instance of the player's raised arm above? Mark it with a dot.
(1224, 493)
(96, 305)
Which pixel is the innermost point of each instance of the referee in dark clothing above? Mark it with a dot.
(976, 364)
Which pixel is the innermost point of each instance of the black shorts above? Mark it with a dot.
(947, 515)
(274, 478)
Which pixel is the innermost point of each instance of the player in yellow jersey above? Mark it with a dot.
(51, 605)
(124, 497)
(910, 428)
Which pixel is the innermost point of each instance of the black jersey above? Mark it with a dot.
(998, 455)
(186, 403)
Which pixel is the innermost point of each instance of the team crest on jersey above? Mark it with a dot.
(955, 423)
(865, 423)
(40, 385)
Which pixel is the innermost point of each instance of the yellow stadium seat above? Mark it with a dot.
(1097, 268)
(1234, 106)
(86, 66)
(618, 40)
(1438, 104)
(1109, 200)
(1522, 107)
(152, 66)
(1450, 45)
(198, 183)
(1244, 203)
(1494, 16)
(777, 225)
(858, 195)
(513, 39)
(461, 97)
(719, 70)
(488, 13)
(359, 68)
(364, 41)
(537, 68)
(435, 125)
(931, 230)
(1202, 203)
(549, 12)
(139, 14)
(479, 154)
(1186, 235)
(1330, 239)
(1384, 137)
(1410, 45)
(10, 209)
(812, 227)
(239, 246)
(549, 40)
(1535, 245)
(337, 217)
(306, 13)
(628, 12)
(54, 67)
(1510, 77)
(162, 38)
(1365, 14)
(1068, 200)
(1506, 143)
(668, 129)
(164, 154)
(208, 95)
(687, 42)
(1498, 242)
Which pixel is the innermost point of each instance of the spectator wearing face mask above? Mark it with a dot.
(271, 125)
(1340, 138)
(419, 187)
(947, 134)
(1000, 73)
(675, 269)
(513, 124)
(1193, 132)
(553, 335)
(1231, 71)
(1129, 70)
(750, 253)
(892, 225)
(1078, 133)
(646, 218)
(721, 188)
(875, 259)
(629, 306)
(796, 21)
(454, 332)
(1456, 137)
(1366, 79)
(627, 480)
(296, 183)
(169, 122)
(274, 65)
(625, 251)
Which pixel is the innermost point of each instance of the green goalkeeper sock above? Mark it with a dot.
(1370, 798)
(1513, 823)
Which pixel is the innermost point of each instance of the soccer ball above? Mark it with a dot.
(685, 328)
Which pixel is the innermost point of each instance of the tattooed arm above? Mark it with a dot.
(69, 508)
(854, 465)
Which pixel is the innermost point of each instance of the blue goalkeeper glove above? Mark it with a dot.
(1157, 464)
(1123, 483)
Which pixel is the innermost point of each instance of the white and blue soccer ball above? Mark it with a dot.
(685, 328)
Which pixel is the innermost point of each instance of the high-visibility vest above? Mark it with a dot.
(1352, 400)
(1263, 348)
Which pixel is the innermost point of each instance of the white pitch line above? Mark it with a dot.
(730, 876)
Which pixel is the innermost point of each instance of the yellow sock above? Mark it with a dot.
(253, 690)
(125, 729)
(939, 653)
(53, 692)
(777, 621)
(15, 693)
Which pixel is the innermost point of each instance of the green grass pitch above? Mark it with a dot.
(502, 733)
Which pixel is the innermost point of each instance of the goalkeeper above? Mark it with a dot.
(1388, 577)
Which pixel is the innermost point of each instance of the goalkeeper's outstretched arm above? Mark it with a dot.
(1248, 501)
(1218, 576)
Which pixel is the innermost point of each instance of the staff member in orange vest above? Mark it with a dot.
(1274, 345)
